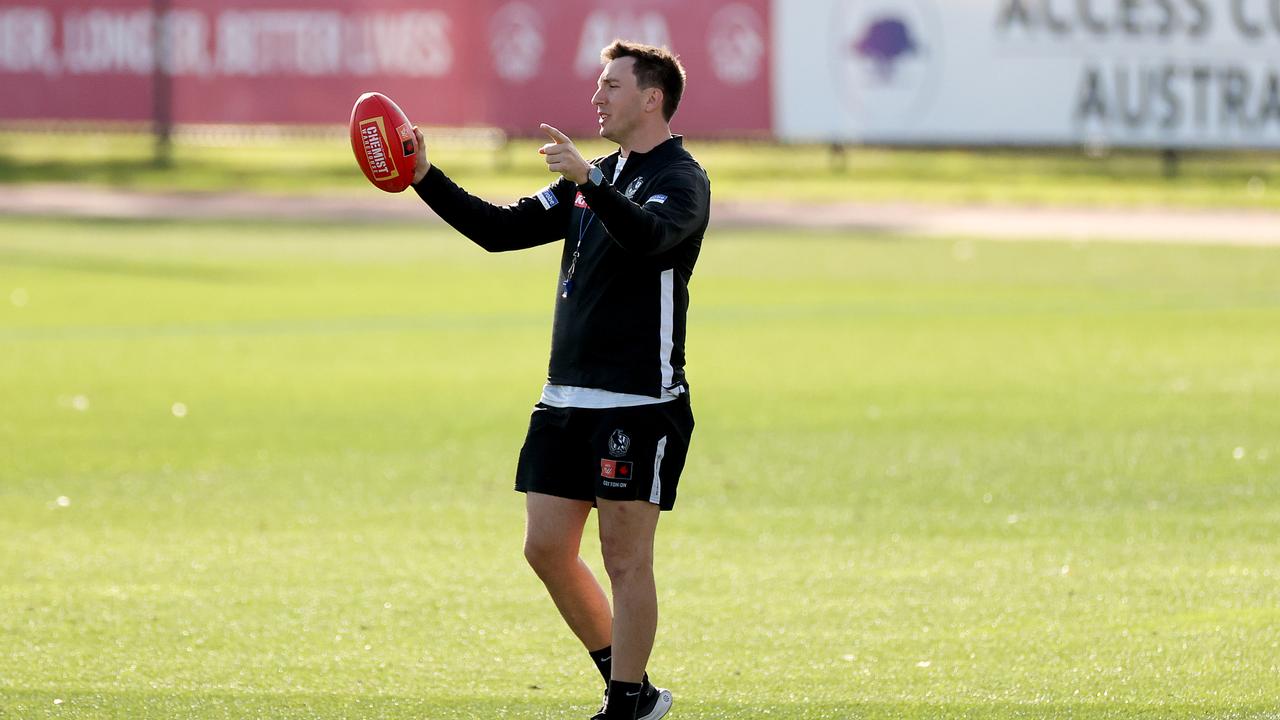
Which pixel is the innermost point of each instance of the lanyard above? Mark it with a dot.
(567, 285)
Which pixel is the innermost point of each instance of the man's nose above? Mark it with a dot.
(598, 98)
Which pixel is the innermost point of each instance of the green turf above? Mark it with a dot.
(930, 479)
(741, 171)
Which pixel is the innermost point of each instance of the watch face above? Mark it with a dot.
(596, 176)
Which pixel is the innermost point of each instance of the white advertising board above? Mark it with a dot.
(1144, 73)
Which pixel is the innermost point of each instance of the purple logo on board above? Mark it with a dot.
(886, 65)
(885, 41)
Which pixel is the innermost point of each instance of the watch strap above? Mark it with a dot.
(595, 177)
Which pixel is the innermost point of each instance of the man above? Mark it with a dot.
(614, 421)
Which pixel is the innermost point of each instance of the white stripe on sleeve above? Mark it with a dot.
(666, 326)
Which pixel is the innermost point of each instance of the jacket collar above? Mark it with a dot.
(665, 149)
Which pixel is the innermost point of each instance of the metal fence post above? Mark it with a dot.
(161, 86)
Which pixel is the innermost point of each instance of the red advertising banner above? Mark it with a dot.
(546, 58)
(447, 62)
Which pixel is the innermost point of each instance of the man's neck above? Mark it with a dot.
(645, 141)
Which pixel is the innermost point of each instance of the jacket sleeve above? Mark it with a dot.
(675, 209)
(530, 221)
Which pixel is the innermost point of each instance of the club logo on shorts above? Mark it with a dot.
(619, 443)
(633, 188)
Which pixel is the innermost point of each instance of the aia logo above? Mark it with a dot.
(601, 27)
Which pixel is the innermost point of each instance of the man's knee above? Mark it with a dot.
(626, 540)
(546, 556)
(553, 532)
(624, 561)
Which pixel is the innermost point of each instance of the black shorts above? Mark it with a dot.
(629, 453)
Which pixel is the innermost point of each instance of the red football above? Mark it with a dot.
(382, 139)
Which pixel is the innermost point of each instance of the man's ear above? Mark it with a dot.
(653, 103)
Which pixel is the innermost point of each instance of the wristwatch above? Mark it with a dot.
(595, 178)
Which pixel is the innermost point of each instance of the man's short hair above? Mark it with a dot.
(655, 67)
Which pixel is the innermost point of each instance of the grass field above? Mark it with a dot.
(264, 471)
(741, 171)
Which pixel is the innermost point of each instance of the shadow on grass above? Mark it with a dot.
(154, 704)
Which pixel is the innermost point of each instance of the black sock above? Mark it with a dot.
(602, 659)
(624, 697)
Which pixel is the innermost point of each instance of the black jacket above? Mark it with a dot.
(622, 326)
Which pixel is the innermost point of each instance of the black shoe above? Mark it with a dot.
(654, 703)
(604, 704)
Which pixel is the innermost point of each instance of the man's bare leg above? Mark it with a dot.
(552, 540)
(626, 540)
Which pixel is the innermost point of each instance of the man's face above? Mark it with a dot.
(620, 103)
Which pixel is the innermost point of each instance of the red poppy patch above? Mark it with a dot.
(615, 469)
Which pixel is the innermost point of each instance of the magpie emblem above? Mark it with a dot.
(619, 443)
